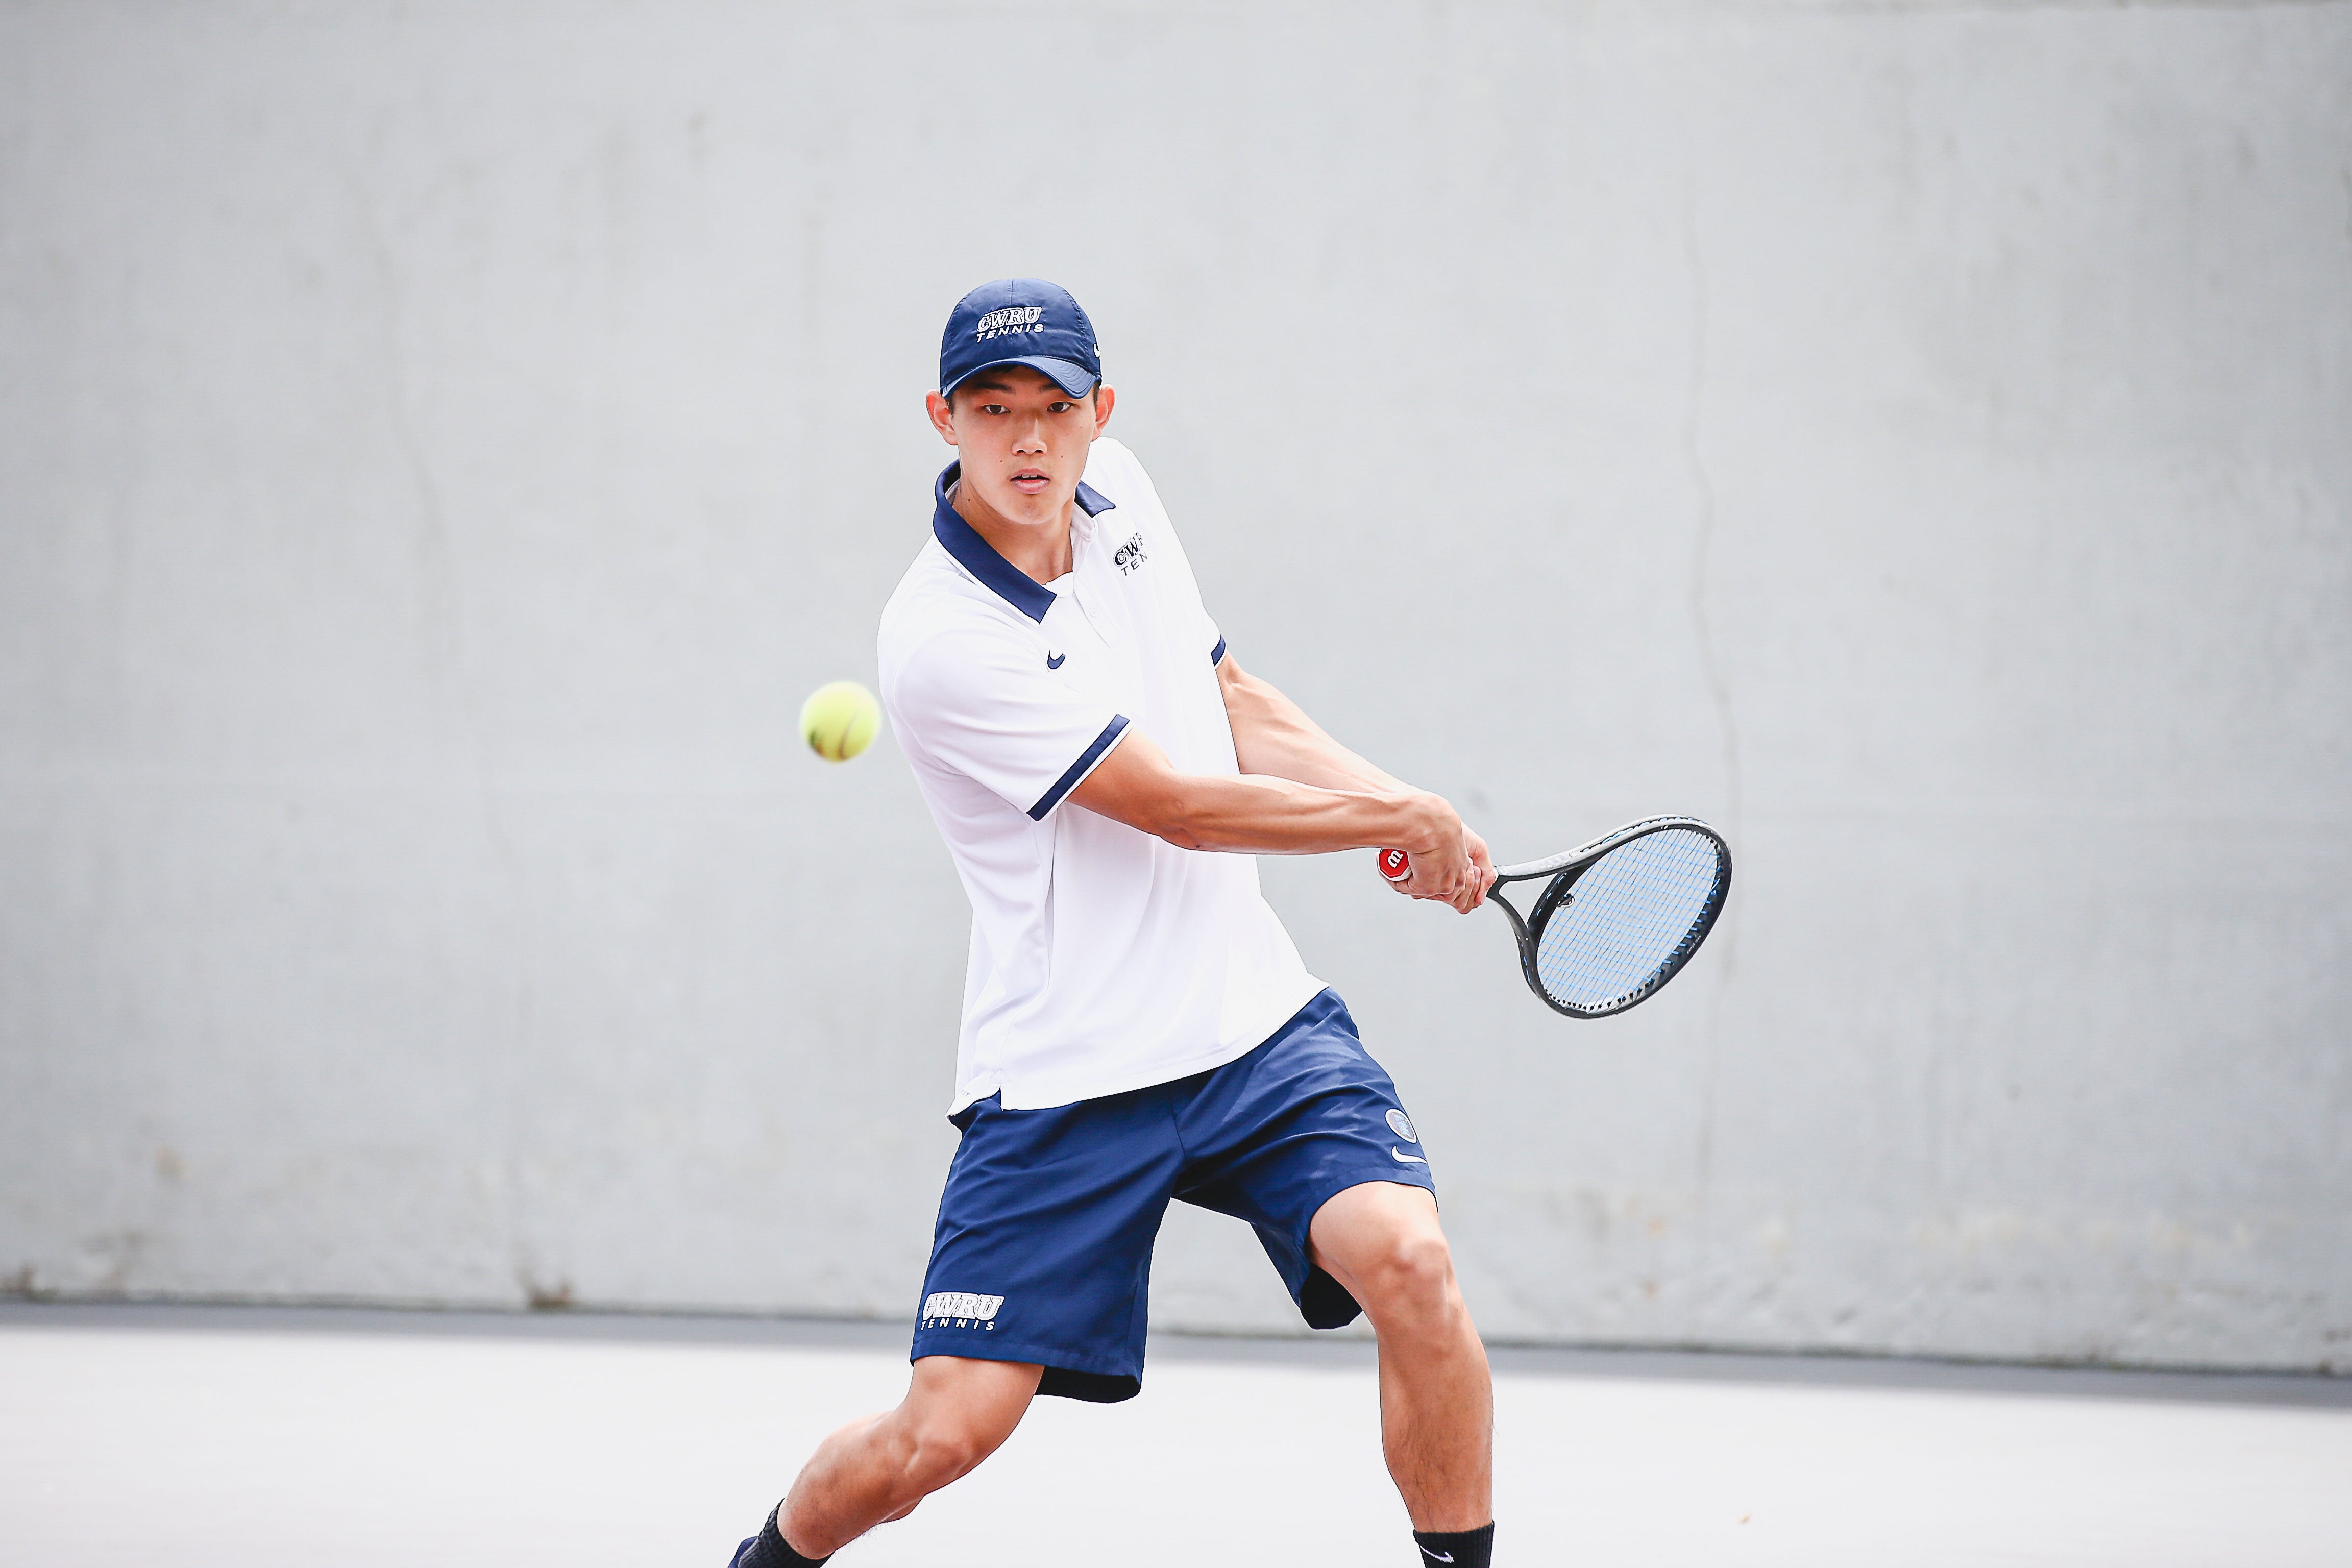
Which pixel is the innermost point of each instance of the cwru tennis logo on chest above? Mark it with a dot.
(1130, 555)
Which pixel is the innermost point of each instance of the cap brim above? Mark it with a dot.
(1075, 379)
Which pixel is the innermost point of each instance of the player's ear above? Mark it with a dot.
(1104, 398)
(942, 417)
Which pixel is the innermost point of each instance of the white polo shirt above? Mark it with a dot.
(1103, 958)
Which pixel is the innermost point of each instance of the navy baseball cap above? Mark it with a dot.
(1020, 320)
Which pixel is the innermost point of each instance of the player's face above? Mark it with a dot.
(1021, 440)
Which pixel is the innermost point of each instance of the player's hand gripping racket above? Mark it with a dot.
(1615, 920)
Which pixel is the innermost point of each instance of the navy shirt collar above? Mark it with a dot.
(979, 558)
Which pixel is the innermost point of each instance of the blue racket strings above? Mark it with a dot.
(1629, 921)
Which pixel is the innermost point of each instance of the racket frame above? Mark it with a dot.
(1564, 869)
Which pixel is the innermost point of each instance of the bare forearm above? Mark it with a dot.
(1256, 814)
(1273, 735)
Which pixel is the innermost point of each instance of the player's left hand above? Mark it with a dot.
(1482, 873)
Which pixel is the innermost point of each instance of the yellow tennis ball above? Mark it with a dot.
(840, 721)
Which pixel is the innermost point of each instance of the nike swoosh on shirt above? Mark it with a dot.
(1402, 1158)
(1054, 660)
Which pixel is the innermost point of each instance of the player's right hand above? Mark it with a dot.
(1451, 864)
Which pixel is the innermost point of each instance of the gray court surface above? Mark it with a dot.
(259, 1438)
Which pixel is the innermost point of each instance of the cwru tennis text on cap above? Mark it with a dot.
(1020, 320)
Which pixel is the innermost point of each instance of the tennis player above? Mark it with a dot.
(1137, 1025)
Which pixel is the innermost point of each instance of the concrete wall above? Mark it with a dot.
(439, 445)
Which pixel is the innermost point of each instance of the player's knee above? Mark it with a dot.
(1411, 1278)
(944, 1448)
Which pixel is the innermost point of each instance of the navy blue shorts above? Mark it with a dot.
(1043, 1246)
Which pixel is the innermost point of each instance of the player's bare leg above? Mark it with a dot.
(1382, 1241)
(956, 1412)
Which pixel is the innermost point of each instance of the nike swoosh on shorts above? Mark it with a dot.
(1402, 1158)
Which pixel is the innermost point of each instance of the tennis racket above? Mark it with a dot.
(1615, 920)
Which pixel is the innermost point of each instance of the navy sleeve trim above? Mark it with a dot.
(1217, 654)
(1079, 768)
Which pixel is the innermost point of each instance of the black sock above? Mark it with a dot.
(1458, 1548)
(770, 1550)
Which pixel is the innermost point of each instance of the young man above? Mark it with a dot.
(1137, 1025)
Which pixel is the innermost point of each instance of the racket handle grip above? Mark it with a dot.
(1395, 865)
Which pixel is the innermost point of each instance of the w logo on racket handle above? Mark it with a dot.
(1395, 865)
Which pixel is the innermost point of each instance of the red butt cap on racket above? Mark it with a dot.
(1395, 865)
